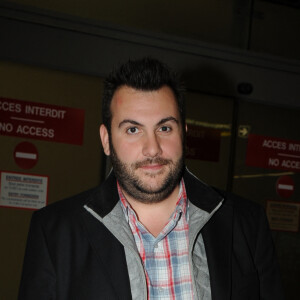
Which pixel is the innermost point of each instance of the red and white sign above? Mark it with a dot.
(273, 153)
(41, 121)
(203, 143)
(285, 186)
(26, 155)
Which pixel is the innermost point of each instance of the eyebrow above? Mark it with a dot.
(162, 121)
(130, 122)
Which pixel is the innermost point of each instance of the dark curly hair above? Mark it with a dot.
(146, 74)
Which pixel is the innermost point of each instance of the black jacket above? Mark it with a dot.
(72, 255)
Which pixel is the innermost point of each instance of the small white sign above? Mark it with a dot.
(283, 216)
(21, 190)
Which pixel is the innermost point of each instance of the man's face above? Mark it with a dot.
(146, 143)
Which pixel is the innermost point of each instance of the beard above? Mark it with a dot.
(139, 189)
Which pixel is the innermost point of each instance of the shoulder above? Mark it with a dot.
(208, 198)
(66, 208)
(247, 216)
(101, 199)
(243, 205)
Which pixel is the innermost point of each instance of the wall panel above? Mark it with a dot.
(71, 168)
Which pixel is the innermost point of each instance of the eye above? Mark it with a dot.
(165, 129)
(132, 130)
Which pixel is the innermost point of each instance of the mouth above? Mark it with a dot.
(152, 165)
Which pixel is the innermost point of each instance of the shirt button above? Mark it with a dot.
(160, 289)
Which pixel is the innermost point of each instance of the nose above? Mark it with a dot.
(151, 147)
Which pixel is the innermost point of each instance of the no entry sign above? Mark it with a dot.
(285, 186)
(26, 155)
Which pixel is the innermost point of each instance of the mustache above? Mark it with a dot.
(151, 161)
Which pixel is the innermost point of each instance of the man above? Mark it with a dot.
(152, 230)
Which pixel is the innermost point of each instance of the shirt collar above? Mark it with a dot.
(181, 205)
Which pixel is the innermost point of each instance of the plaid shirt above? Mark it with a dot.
(165, 257)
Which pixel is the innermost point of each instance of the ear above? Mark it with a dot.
(104, 139)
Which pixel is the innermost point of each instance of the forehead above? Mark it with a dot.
(128, 102)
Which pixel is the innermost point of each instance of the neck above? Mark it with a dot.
(154, 216)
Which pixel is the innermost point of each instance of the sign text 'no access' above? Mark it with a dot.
(41, 121)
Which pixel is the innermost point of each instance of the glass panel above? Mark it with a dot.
(208, 137)
(267, 169)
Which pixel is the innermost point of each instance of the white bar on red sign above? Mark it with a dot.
(26, 155)
(286, 187)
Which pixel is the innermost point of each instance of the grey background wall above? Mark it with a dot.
(58, 51)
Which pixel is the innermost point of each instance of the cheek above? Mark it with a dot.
(172, 147)
(127, 152)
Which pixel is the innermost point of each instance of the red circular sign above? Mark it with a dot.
(26, 155)
(285, 186)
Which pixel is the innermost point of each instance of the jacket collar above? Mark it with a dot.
(200, 194)
(106, 196)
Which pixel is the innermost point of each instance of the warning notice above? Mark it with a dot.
(283, 216)
(41, 121)
(273, 153)
(23, 190)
